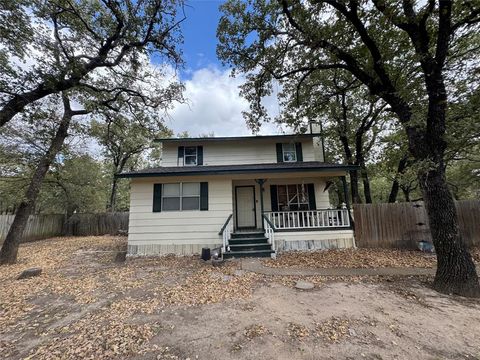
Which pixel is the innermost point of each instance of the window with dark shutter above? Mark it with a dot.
(273, 197)
(204, 196)
(311, 197)
(298, 150)
(199, 155)
(157, 197)
(279, 152)
(181, 151)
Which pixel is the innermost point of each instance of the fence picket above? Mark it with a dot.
(402, 225)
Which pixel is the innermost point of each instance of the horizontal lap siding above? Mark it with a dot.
(178, 227)
(235, 153)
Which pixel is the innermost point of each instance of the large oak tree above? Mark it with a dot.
(404, 52)
(94, 52)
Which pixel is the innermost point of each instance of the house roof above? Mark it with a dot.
(236, 138)
(305, 166)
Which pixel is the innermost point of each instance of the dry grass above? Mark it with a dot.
(83, 305)
(353, 258)
(86, 306)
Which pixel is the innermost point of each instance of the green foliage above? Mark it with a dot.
(75, 183)
(90, 47)
(300, 47)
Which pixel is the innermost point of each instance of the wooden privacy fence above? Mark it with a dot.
(38, 226)
(403, 225)
(97, 224)
(49, 225)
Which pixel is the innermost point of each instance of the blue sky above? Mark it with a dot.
(199, 30)
(214, 104)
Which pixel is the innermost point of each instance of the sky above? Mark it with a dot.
(214, 104)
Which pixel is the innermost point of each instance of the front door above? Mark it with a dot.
(245, 206)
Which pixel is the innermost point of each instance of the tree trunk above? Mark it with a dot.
(356, 199)
(8, 253)
(366, 187)
(402, 165)
(113, 195)
(456, 272)
(406, 193)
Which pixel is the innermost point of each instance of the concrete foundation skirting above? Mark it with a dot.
(163, 249)
(305, 245)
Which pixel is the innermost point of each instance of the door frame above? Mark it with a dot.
(254, 207)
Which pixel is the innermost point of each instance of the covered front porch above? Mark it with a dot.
(287, 212)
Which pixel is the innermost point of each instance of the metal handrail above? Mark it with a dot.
(269, 232)
(225, 225)
(269, 222)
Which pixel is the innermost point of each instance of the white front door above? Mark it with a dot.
(245, 206)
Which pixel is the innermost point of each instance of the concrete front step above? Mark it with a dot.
(247, 253)
(238, 241)
(249, 247)
(247, 234)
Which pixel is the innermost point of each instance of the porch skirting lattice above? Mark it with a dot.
(305, 245)
(165, 249)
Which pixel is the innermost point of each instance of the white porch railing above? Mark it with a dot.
(226, 232)
(269, 231)
(306, 219)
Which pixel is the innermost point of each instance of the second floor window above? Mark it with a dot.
(289, 152)
(190, 155)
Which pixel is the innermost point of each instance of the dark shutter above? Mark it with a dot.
(298, 149)
(204, 196)
(157, 197)
(181, 151)
(311, 197)
(279, 153)
(274, 197)
(199, 155)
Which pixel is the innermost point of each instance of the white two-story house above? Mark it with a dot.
(251, 196)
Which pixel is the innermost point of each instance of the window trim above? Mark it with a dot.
(294, 151)
(297, 195)
(181, 196)
(185, 155)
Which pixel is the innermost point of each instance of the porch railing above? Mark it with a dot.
(226, 232)
(269, 230)
(306, 219)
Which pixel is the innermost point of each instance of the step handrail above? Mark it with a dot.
(269, 231)
(226, 233)
(269, 222)
(225, 225)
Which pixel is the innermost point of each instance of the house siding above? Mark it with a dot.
(180, 232)
(236, 152)
(187, 232)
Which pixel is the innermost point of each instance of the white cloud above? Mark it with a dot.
(214, 105)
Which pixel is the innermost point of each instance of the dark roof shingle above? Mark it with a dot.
(306, 166)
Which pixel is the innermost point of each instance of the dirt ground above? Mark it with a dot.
(359, 258)
(86, 306)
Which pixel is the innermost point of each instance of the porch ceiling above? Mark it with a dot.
(293, 169)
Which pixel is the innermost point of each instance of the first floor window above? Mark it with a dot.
(181, 196)
(289, 153)
(292, 197)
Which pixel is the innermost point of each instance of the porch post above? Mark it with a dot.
(345, 191)
(347, 200)
(261, 182)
